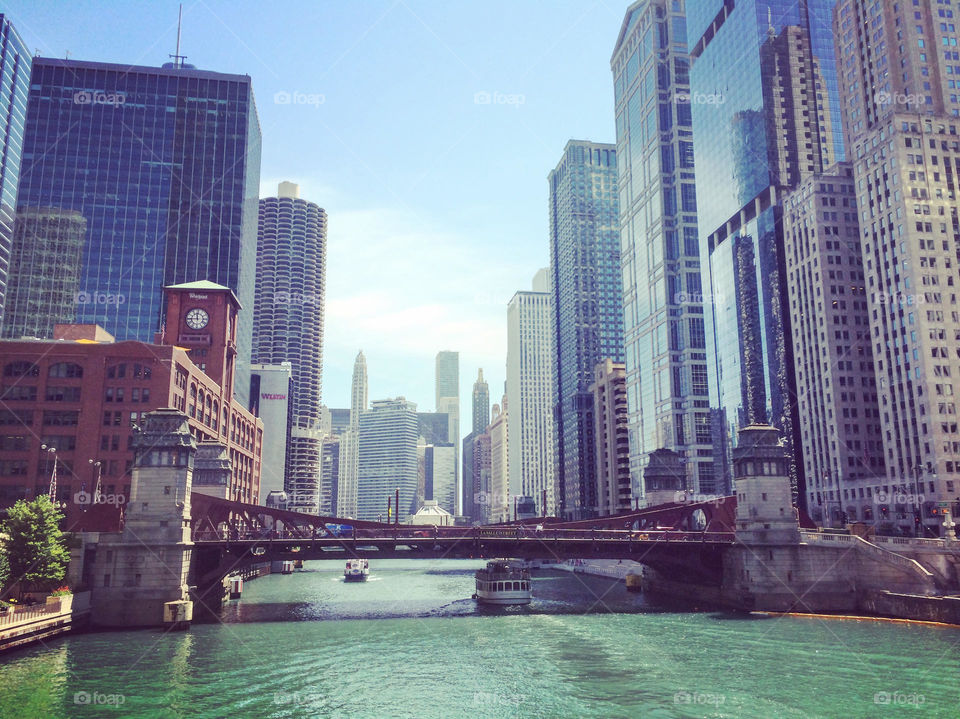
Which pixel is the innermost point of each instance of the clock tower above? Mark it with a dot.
(201, 317)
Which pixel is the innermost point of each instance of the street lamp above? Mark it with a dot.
(53, 473)
(918, 515)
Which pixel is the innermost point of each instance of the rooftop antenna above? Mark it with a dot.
(178, 58)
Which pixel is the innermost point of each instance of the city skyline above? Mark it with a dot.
(388, 194)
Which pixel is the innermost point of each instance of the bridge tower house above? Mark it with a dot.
(140, 574)
(765, 512)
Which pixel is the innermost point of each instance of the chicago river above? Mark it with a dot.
(411, 642)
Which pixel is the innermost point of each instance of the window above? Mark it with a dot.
(65, 369)
(19, 393)
(21, 369)
(62, 394)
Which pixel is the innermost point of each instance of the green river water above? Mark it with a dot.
(411, 643)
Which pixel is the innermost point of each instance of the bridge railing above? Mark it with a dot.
(416, 535)
(861, 543)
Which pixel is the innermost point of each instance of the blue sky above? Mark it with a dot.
(437, 200)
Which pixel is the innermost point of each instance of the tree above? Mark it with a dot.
(35, 548)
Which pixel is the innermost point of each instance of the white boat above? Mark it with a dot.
(357, 570)
(502, 583)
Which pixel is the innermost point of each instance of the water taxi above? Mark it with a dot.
(502, 583)
(357, 570)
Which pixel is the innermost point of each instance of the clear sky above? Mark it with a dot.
(425, 128)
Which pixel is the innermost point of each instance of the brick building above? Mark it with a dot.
(81, 393)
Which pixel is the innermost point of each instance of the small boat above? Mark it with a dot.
(357, 570)
(502, 583)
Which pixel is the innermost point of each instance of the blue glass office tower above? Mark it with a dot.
(773, 63)
(14, 86)
(164, 165)
(668, 405)
(588, 309)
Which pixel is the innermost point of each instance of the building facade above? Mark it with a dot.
(164, 166)
(531, 393)
(498, 497)
(82, 393)
(387, 448)
(15, 67)
(448, 402)
(764, 105)
(481, 417)
(665, 345)
(270, 393)
(350, 441)
(609, 388)
(841, 438)
(481, 478)
(587, 307)
(288, 325)
(903, 137)
(45, 262)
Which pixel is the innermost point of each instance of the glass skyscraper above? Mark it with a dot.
(587, 308)
(164, 165)
(774, 121)
(14, 88)
(665, 343)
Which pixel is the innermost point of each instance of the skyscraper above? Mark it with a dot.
(447, 376)
(15, 64)
(164, 166)
(613, 452)
(481, 417)
(288, 325)
(481, 403)
(840, 429)
(587, 307)
(448, 401)
(388, 458)
(664, 335)
(349, 464)
(764, 101)
(530, 393)
(902, 112)
(498, 499)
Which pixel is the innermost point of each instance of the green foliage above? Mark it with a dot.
(35, 547)
(4, 568)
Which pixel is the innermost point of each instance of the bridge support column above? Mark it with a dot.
(140, 575)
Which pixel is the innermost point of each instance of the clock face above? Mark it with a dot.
(197, 319)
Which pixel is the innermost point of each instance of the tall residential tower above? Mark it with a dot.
(288, 325)
(530, 395)
(587, 308)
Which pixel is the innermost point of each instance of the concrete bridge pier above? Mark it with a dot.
(139, 575)
(775, 566)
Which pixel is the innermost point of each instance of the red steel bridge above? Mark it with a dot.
(682, 539)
